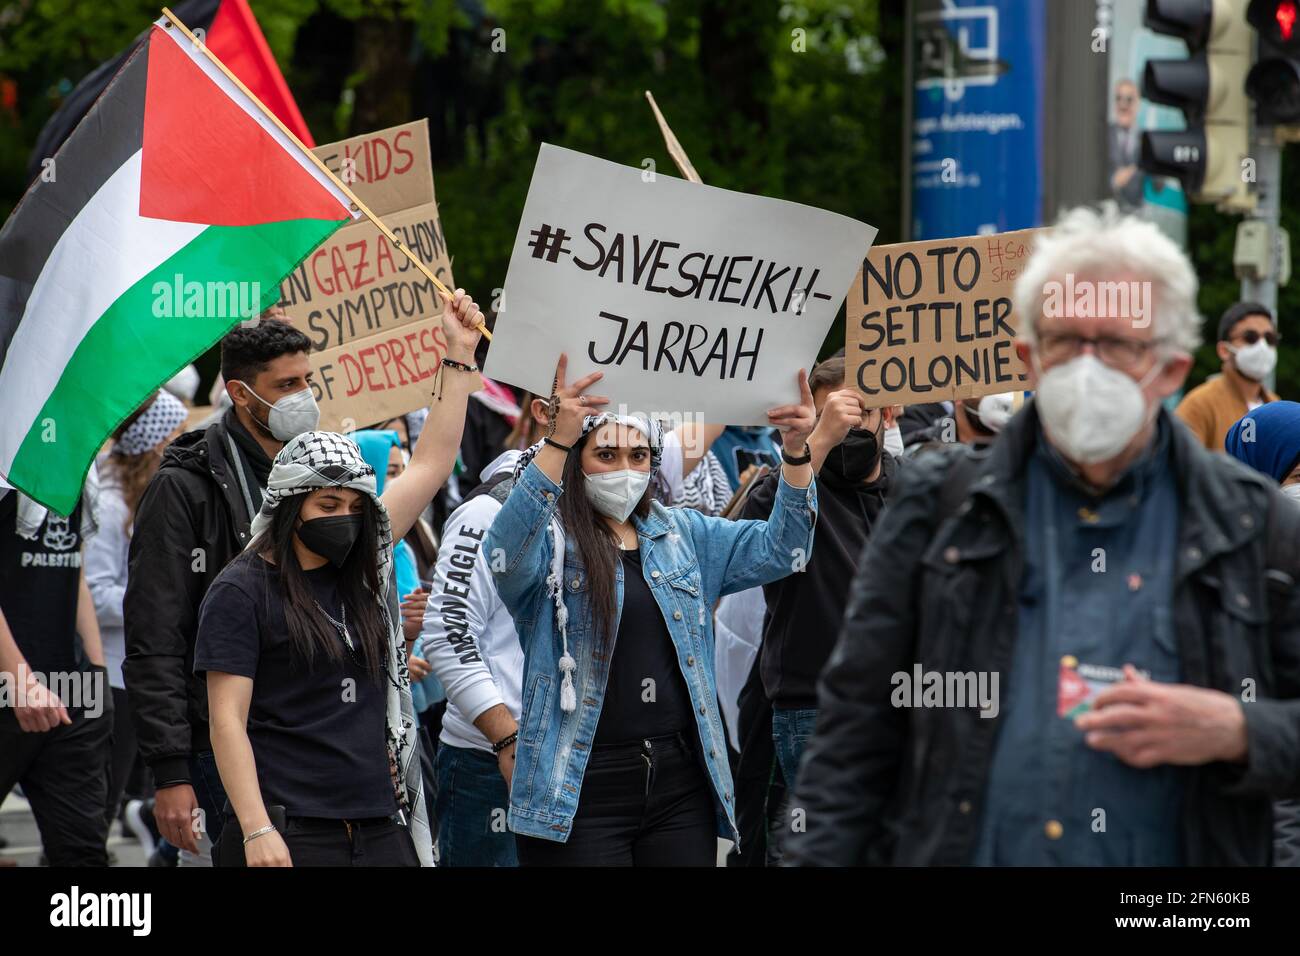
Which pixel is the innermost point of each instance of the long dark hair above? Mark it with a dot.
(596, 543)
(310, 632)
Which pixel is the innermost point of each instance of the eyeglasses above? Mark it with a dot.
(1250, 337)
(1116, 352)
(1125, 100)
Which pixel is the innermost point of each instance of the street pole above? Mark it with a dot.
(1268, 186)
(1262, 286)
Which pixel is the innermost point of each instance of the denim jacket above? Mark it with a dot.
(689, 561)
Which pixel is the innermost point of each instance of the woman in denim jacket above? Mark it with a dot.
(621, 757)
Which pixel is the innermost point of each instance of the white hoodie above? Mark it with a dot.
(469, 637)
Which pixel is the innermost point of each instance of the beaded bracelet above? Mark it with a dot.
(505, 742)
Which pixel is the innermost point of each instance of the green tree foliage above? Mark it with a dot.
(800, 100)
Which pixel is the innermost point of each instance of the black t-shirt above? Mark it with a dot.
(317, 732)
(643, 651)
(38, 588)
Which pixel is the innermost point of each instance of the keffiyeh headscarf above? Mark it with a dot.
(328, 460)
(152, 428)
(653, 431)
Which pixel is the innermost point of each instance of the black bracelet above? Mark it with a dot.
(505, 742)
(802, 460)
(555, 444)
(452, 363)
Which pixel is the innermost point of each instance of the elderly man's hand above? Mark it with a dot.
(1146, 724)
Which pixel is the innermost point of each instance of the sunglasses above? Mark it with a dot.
(1250, 337)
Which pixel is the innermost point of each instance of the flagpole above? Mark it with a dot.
(674, 147)
(357, 204)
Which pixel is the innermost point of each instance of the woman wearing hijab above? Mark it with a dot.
(621, 754)
(124, 472)
(1268, 440)
(301, 641)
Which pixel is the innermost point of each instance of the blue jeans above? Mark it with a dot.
(791, 728)
(471, 806)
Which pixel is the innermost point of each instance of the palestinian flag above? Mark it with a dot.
(171, 214)
(230, 31)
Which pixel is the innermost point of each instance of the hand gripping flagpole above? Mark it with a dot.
(357, 204)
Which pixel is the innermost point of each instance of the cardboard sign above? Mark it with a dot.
(929, 321)
(357, 283)
(370, 380)
(692, 300)
(372, 317)
(389, 170)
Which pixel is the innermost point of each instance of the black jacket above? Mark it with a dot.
(805, 609)
(886, 785)
(191, 521)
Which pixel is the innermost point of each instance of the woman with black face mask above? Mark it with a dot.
(301, 642)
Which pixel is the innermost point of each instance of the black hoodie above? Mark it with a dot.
(805, 609)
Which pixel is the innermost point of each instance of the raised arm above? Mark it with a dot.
(434, 454)
(758, 552)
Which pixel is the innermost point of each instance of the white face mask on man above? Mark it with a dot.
(1090, 410)
(1255, 361)
(1292, 491)
(615, 494)
(291, 415)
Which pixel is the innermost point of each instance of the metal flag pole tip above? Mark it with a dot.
(355, 203)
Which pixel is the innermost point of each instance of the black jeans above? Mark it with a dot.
(372, 842)
(64, 773)
(642, 804)
(126, 752)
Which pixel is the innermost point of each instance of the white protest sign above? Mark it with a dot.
(692, 300)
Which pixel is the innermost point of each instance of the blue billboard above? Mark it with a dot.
(976, 120)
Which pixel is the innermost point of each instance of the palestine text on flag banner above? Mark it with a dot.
(175, 177)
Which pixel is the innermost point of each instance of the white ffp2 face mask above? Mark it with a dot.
(894, 441)
(996, 410)
(1090, 410)
(1255, 361)
(616, 493)
(291, 415)
(1292, 491)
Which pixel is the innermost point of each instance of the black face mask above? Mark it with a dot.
(332, 537)
(855, 458)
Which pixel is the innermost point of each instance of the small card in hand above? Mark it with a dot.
(1078, 685)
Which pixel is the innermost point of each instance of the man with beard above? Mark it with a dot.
(192, 519)
(1247, 348)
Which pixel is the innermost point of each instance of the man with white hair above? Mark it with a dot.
(1082, 648)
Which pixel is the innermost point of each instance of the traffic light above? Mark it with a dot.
(1208, 85)
(1274, 82)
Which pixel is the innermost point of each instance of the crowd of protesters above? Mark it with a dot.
(1052, 628)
